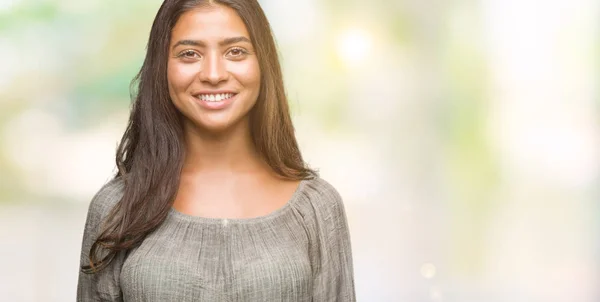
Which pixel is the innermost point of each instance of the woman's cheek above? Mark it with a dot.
(182, 75)
(247, 72)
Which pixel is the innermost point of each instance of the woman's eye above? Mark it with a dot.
(237, 52)
(188, 54)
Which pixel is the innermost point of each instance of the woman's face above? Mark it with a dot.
(213, 72)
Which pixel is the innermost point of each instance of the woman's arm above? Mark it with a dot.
(333, 268)
(103, 285)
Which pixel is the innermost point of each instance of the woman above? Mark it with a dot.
(212, 200)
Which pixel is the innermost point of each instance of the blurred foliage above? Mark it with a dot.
(72, 61)
(24, 13)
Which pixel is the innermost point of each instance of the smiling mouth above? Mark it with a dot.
(220, 97)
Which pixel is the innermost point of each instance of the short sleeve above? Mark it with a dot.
(331, 250)
(103, 285)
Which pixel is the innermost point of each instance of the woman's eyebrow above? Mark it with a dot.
(224, 42)
(190, 42)
(233, 40)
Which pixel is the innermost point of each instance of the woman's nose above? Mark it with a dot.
(213, 70)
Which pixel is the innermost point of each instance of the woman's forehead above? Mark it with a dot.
(209, 23)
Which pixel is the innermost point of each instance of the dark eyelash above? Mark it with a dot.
(243, 51)
(185, 53)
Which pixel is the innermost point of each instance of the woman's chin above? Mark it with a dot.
(216, 126)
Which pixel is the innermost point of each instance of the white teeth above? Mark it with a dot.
(215, 97)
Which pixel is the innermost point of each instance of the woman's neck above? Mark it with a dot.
(231, 151)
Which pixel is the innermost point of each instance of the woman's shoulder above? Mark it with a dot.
(322, 189)
(319, 195)
(322, 208)
(107, 197)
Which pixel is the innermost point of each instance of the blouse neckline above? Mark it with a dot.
(225, 221)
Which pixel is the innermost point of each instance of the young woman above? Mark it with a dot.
(212, 200)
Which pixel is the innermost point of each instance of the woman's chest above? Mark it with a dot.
(219, 263)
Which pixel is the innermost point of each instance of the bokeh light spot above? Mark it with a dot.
(353, 46)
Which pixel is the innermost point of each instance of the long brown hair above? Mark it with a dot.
(150, 155)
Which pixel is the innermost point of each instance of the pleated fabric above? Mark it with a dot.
(300, 252)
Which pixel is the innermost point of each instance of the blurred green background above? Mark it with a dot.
(463, 136)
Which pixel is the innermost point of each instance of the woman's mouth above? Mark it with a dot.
(215, 101)
(215, 97)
